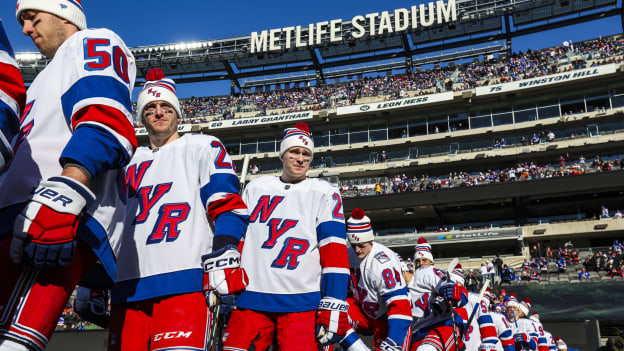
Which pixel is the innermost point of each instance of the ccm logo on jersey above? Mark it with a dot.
(172, 335)
(53, 195)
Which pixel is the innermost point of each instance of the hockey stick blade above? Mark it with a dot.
(450, 268)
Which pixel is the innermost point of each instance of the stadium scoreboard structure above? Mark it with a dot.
(398, 45)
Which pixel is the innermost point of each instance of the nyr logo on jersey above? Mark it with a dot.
(382, 257)
(293, 248)
(170, 215)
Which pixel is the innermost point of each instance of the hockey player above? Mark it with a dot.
(75, 137)
(542, 335)
(379, 304)
(495, 327)
(523, 330)
(432, 298)
(295, 255)
(12, 98)
(477, 335)
(179, 188)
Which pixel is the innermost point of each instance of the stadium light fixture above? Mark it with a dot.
(210, 44)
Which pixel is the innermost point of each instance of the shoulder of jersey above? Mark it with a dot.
(96, 33)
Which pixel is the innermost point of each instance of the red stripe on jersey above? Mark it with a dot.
(334, 255)
(542, 347)
(12, 84)
(400, 307)
(229, 203)
(488, 331)
(108, 116)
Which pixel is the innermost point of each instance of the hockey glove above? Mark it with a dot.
(439, 305)
(92, 306)
(45, 230)
(521, 339)
(389, 345)
(332, 320)
(454, 293)
(487, 347)
(222, 273)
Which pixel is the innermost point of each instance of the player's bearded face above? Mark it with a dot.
(296, 162)
(45, 30)
(160, 119)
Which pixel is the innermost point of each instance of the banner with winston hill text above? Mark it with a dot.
(395, 104)
(255, 121)
(547, 80)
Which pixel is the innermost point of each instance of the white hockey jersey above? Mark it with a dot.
(502, 329)
(295, 245)
(78, 108)
(12, 98)
(423, 288)
(525, 325)
(550, 341)
(378, 287)
(174, 193)
(473, 336)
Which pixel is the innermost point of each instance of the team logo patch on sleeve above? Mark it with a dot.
(382, 257)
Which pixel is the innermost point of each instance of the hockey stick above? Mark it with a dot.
(450, 268)
(476, 306)
(214, 325)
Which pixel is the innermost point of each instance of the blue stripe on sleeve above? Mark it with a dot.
(397, 329)
(231, 224)
(9, 123)
(484, 319)
(334, 285)
(95, 87)
(331, 228)
(220, 183)
(96, 149)
(391, 294)
(5, 45)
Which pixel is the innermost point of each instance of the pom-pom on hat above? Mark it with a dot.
(458, 274)
(359, 228)
(534, 317)
(423, 250)
(158, 88)
(70, 10)
(297, 136)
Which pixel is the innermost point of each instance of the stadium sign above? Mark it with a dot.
(182, 128)
(451, 237)
(423, 15)
(394, 104)
(547, 80)
(254, 121)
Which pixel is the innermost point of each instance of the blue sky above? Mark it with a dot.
(160, 22)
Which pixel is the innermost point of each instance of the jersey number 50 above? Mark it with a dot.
(99, 55)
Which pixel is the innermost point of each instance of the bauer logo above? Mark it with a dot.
(364, 108)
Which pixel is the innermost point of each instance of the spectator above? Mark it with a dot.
(584, 274)
(484, 273)
(561, 265)
(535, 276)
(604, 212)
(617, 214)
(507, 275)
(471, 282)
(550, 136)
(498, 264)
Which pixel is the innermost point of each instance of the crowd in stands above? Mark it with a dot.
(544, 261)
(71, 321)
(503, 69)
(565, 166)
